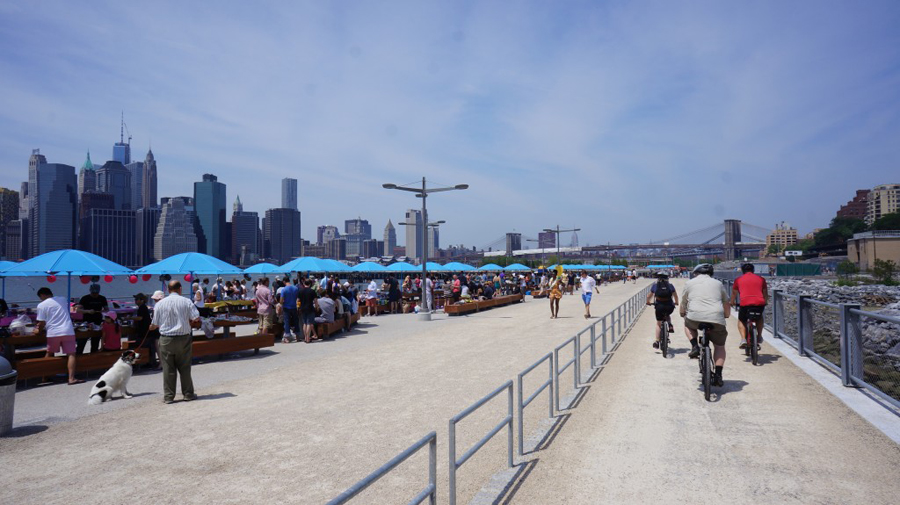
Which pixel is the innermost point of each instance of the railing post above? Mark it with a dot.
(432, 470)
(520, 410)
(804, 325)
(556, 378)
(619, 318)
(603, 334)
(777, 312)
(593, 345)
(851, 345)
(552, 385)
(509, 428)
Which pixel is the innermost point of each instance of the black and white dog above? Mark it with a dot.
(115, 380)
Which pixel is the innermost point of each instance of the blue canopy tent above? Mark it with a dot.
(517, 267)
(436, 267)
(490, 267)
(337, 266)
(3, 266)
(455, 266)
(369, 266)
(306, 264)
(401, 266)
(191, 263)
(261, 268)
(66, 261)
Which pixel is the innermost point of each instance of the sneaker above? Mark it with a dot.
(743, 345)
(168, 401)
(656, 345)
(695, 353)
(671, 328)
(188, 398)
(717, 380)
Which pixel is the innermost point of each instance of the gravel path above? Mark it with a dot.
(297, 425)
(644, 434)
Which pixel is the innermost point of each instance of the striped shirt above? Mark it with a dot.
(173, 315)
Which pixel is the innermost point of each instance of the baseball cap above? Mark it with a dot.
(158, 295)
(112, 315)
(140, 296)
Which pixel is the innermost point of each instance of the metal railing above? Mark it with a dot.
(805, 324)
(507, 421)
(430, 490)
(521, 404)
(559, 370)
(614, 324)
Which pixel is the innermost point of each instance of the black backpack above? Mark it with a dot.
(663, 291)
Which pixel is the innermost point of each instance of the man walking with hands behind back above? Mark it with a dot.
(174, 316)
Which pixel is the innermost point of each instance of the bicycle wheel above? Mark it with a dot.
(754, 344)
(707, 373)
(664, 340)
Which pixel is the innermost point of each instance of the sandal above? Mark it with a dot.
(76, 381)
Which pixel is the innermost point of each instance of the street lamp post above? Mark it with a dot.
(423, 194)
(557, 231)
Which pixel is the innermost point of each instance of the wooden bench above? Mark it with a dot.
(465, 308)
(324, 330)
(206, 347)
(30, 368)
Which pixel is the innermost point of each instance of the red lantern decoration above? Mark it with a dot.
(187, 277)
(51, 278)
(85, 279)
(132, 279)
(108, 278)
(146, 277)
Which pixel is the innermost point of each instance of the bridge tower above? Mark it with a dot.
(732, 236)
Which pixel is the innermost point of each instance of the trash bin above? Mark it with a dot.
(7, 395)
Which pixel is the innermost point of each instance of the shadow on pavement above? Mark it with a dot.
(550, 436)
(218, 396)
(765, 359)
(731, 386)
(505, 497)
(25, 431)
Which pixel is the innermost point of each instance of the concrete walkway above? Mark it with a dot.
(297, 425)
(644, 434)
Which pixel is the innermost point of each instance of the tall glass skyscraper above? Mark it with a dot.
(289, 193)
(209, 206)
(136, 168)
(149, 198)
(115, 179)
(281, 234)
(52, 216)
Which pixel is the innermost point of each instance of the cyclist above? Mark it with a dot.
(753, 292)
(704, 300)
(665, 301)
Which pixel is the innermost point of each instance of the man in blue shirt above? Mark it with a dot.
(289, 305)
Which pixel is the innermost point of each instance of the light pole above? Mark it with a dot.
(557, 231)
(423, 194)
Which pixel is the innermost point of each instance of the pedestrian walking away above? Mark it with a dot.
(588, 286)
(53, 317)
(175, 316)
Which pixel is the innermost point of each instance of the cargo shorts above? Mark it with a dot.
(717, 334)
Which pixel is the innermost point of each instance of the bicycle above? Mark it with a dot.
(706, 359)
(663, 336)
(753, 325)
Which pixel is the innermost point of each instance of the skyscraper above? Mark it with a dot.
(149, 185)
(136, 169)
(110, 234)
(244, 235)
(413, 233)
(209, 205)
(356, 231)
(9, 211)
(122, 149)
(175, 231)
(289, 193)
(115, 179)
(434, 241)
(326, 232)
(390, 239)
(281, 235)
(146, 221)
(52, 215)
(87, 177)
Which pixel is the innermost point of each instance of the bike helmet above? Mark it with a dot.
(661, 275)
(703, 268)
(748, 267)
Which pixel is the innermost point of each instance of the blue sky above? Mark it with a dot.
(631, 120)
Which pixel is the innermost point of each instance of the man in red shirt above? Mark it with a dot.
(753, 292)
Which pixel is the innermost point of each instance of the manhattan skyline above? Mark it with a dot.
(630, 121)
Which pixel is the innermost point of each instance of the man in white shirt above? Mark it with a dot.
(175, 316)
(704, 300)
(53, 316)
(372, 298)
(588, 286)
